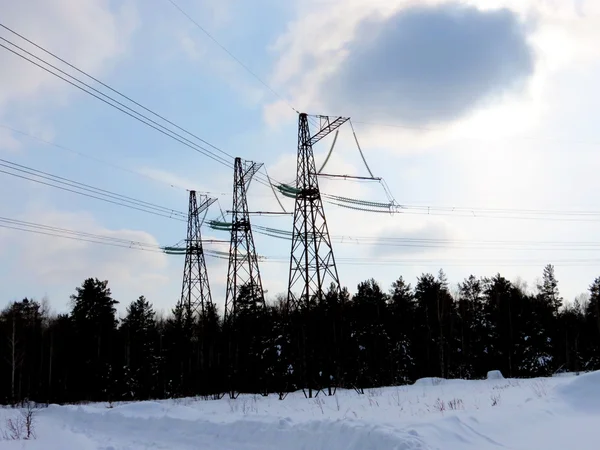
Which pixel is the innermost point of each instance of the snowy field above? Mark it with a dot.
(544, 413)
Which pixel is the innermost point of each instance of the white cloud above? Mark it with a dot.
(315, 45)
(506, 154)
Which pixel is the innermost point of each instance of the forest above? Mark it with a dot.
(366, 339)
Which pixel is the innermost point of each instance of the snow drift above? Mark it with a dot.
(552, 413)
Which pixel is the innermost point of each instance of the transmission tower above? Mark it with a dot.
(312, 264)
(195, 291)
(243, 263)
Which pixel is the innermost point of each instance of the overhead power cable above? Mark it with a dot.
(48, 230)
(51, 231)
(360, 150)
(81, 234)
(63, 233)
(101, 83)
(398, 241)
(75, 235)
(117, 105)
(65, 184)
(452, 262)
(111, 101)
(85, 155)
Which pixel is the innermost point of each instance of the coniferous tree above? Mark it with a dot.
(548, 289)
(176, 343)
(95, 324)
(372, 339)
(570, 347)
(535, 345)
(470, 328)
(434, 317)
(369, 309)
(210, 351)
(140, 336)
(500, 323)
(22, 325)
(249, 341)
(400, 326)
(592, 327)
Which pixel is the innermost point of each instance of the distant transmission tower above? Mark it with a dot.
(312, 264)
(243, 262)
(195, 291)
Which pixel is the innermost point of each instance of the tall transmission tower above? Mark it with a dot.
(195, 290)
(243, 270)
(312, 264)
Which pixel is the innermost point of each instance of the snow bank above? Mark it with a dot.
(430, 381)
(495, 375)
(432, 414)
(582, 392)
(116, 431)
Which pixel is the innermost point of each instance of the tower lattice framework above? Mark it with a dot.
(195, 290)
(312, 263)
(243, 261)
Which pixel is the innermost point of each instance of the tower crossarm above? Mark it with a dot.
(205, 205)
(327, 125)
(249, 170)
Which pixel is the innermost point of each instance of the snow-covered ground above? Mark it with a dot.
(544, 413)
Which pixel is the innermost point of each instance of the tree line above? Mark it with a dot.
(371, 338)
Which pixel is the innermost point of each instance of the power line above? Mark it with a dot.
(85, 187)
(144, 119)
(49, 228)
(119, 105)
(51, 231)
(451, 262)
(96, 193)
(82, 238)
(396, 241)
(63, 233)
(235, 58)
(105, 85)
(108, 163)
(85, 155)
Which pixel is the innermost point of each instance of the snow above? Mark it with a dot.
(495, 375)
(543, 413)
(583, 393)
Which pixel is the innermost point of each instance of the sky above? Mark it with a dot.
(472, 104)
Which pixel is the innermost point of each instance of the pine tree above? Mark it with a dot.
(592, 327)
(400, 326)
(535, 344)
(210, 352)
(548, 289)
(248, 342)
(94, 320)
(140, 336)
(500, 323)
(22, 325)
(470, 328)
(434, 316)
(571, 328)
(369, 309)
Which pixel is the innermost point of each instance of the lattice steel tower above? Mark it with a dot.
(243, 262)
(312, 264)
(195, 291)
